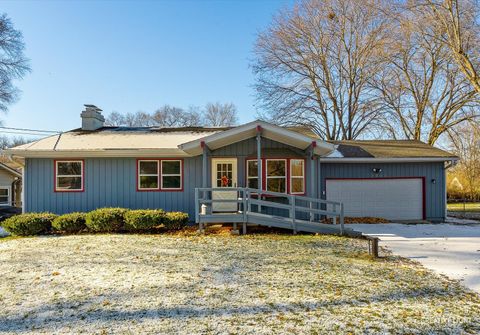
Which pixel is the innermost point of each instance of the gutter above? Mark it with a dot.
(389, 160)
(135, 153)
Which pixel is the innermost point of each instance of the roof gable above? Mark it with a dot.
(10, 170)
(249, 130)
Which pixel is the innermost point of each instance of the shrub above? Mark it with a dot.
(29, 224)
(105, 219)
(70, 223)
(143, 219)
(175, 220)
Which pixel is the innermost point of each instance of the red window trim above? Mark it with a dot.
(55, 189)
(422, 178)
(264, 172)
(160, 188)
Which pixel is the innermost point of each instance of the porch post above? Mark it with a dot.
(313, 180)
(204, 164)
(259, 156)
(259, 163)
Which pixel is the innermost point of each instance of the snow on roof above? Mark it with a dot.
(118, 138)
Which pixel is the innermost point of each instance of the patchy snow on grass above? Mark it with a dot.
(255, 284)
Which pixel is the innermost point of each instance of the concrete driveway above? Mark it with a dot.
(453, 250)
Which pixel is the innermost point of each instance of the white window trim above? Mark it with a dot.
(57, 176)
(297, 177)
(276, 177)
(9, 196)
(180, 174)
(148, 175)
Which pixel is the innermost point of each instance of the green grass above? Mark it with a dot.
(460, 207)
(220, 284)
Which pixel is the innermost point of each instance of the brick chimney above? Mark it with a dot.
(92, 118)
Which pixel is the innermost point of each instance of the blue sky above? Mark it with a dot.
(134, 55)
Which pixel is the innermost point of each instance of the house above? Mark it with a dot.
(150, 167)
(10, 186)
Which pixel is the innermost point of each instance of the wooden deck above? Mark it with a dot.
(252, 208)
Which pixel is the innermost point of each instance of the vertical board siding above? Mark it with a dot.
(434, 193)
(108, 182)
(112, 182)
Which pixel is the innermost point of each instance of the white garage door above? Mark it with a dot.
(393, 199)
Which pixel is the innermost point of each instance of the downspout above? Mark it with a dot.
(14, 191)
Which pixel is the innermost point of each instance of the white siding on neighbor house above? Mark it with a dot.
(393, 199)
(6, 180)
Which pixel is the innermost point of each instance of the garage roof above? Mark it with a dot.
(385, 149)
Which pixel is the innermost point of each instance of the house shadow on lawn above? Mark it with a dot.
(51, 317)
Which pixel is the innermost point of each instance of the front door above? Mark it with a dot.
(224, 174)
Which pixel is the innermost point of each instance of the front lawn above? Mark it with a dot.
(255, 284)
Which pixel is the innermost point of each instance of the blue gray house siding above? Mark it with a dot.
(108, 182)
(434, 192)
(112, 181)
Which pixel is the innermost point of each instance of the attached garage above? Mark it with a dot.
(389, 198)
(395, 180)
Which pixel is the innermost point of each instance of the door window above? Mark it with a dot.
(224, 175)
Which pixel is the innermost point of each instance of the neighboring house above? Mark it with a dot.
(10, 186)
(150, 167)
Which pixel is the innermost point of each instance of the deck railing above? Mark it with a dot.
(254, 201)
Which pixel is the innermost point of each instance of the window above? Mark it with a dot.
(69, 176)
(160, 175)
(148, 175)
(276, 175)
(4, 196)
(252, 174)
(286, 175)
(171, 174)
(297, 176)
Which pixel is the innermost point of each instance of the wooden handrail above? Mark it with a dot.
(245, 198)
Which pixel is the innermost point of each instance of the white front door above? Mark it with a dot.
(224, 174)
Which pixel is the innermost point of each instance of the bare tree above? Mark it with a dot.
(424, 95)
(13, 64)
(10, 142)
(314, 62)
(115, 119)
(465, 142)
(455, 24)
(220, 115)
(138, 119)
(168, 116)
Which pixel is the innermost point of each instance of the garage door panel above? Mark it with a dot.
(394, 199)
